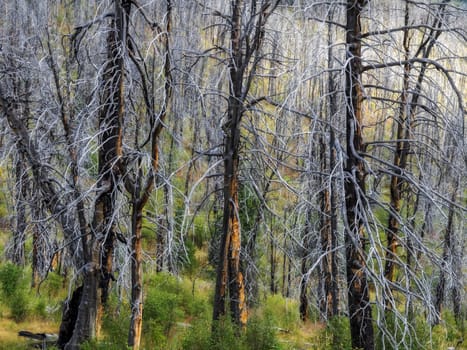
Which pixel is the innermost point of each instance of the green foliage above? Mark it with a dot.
(20, 306)
(53, 285)
(101, 345)
(422, 334)
(198, 337)
(162, 308)
(282, 312)
(115, 328)
(168, 301)
(447, 334)
(224, 336)
(15, 291)
(10, 279)
(249, 204)
(40, 309)
(201, 233)
(259, 335)
(336, 335)
(189, 262)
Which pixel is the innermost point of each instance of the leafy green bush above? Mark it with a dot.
(168, 301)
(259, 335)
(20, 306)
(224, 337)
(53, 285)
(198, 337)
(40, 308)
(337, 334)
(14, 290)
(447, 334)
(420, 335)
(101, 345)
(201, 233)
(179, 295)
(189, 262)
(115, 329)
(10, 279)
(282, 312)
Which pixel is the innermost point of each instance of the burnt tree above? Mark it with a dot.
(361, 327)
(246, 37)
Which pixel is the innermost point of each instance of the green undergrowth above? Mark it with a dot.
(20, 302)
(177, 316)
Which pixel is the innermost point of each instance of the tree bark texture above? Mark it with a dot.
(136, 322)
(448, 254)
(21, 194)
(229, 276)
(358, 289)
(405, 124)
(98, 251)
(141, 188)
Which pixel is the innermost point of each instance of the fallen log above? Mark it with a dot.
(43, 339)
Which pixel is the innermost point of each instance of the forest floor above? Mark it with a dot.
(9, 329)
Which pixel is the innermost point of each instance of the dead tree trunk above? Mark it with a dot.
(21, 195)
(448, 256)
(333, 291)
(110, 126)
(405, 124)
(141, 187)
(243, 59)
(361, 327)
(229, 276)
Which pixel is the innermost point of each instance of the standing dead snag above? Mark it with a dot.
(406, 122)
(228, 272)
(110, 150)
(139, 186)
(245, 42)
(361, 327)
(329, 233)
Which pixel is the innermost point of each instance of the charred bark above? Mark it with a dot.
(361, 327)
(245, 41)
(136, 322)
(70, 314)
(228, 275)
(141, 187)
(448, 256)
(405, 124)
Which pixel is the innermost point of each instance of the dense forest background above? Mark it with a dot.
(233, 174)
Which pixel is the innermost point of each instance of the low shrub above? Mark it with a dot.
(11, 278)
(14, 290)
(282, 312)
(20, 306)
(259, 335)
(336, 335)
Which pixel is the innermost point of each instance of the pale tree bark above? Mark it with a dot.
(21, 188)
(405, 124)
(111, 119)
